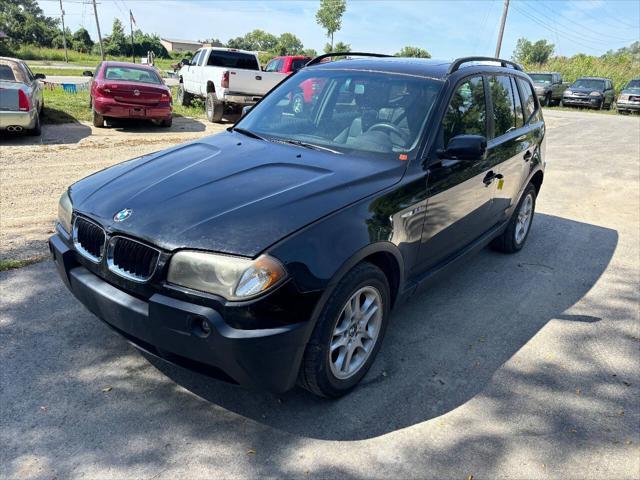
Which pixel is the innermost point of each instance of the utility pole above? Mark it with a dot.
(95, 11)
(503, 20)
(64, 34)
(133, 55)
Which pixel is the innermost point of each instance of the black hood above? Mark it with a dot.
(228, 193)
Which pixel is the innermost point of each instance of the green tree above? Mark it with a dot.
(260, 40)
(310, 52)
(58, 42)
(416, 52)
(82, 41)
(338, 47)
(528, 52)
(24, 22)
(116, 43)
(288, 44)
(144, 42)
(329, 16)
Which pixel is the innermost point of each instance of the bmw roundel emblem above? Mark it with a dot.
(122, 215)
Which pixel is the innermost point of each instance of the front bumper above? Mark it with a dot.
(168, 328)
(627, 105)
(111, 108)
(26, 120)
(590, 102)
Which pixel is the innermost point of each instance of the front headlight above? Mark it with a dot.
(595, 94)
(234, 278)
(568, 92)
(65, 211)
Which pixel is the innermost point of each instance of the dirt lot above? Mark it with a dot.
(35, 171)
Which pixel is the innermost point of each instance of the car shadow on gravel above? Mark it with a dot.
(180, 124)
(442, 347)
(52, 134)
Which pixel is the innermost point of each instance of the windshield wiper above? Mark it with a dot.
(248, 133)
(300, 143)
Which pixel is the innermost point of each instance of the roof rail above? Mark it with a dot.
(455, 66)
(319, 58)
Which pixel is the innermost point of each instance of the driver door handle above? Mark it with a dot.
(490, 177)
(527, 156)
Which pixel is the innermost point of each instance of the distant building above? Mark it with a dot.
(173, 45)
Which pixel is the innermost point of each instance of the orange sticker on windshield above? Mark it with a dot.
(403, 157)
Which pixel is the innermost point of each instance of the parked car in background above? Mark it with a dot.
(629, 99)
(128, 90)
(286, 64)
(590, 92)
(21, 99)
(228, 79)
(549, 87)
(275, 250)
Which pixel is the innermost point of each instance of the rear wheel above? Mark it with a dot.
(348, 334)
(37, 129)
(517, 231)
(167, 122)
(215, 109)
(98, 120)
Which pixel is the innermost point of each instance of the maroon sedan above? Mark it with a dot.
(128, 90)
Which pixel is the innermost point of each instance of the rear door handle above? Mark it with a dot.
(528, 155)
(490, 177)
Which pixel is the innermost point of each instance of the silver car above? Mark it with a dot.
(21, 99)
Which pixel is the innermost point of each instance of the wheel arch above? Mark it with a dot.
(537, 179)
(211, 88)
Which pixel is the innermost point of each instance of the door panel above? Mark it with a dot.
(458, 199)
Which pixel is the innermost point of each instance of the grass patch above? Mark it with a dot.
(588, 110)
(13, 264)
(51, 56)
(58, 71)
(63, 107)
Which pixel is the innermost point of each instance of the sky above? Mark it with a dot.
(447, 29)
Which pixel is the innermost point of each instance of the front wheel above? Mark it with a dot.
(514, 237)
(184, 98)
(547, 100)
(348, 334)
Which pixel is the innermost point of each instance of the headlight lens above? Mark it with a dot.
(233, 278)
(568, 92)
(595, 94)
(65, 211)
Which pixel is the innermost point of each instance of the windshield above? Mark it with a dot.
(347, 111)
(588, 84)
(132, 74)
(540, 77)
(633, 84)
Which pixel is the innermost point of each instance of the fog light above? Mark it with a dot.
(204, 326)
(200, 326)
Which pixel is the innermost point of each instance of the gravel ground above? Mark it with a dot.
(515, 366)
(34, 171)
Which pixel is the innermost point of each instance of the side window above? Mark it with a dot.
(528, 99)
(95, 74)
(30, 74)
(518, 103)
(504, 114)
(467, 111)
(196, 57)
(203, 55)
(272, 66)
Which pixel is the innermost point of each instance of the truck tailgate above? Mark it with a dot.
(253, 82)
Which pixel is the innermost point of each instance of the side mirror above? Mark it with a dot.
(40, 76)
(246, 109)
(465, 147)
(87, 73)
(184, 62)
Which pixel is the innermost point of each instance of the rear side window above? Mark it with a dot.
(275, 65)
(504, 113)
(221, 58)
(467, 111)
(518, 103)
(528, 98)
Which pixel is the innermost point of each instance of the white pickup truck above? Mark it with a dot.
(227, 78)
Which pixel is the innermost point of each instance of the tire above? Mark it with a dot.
(184, 97)
(215, 109)
(166, 123)
(98, 120)
(319, 364)
(547, 100)
(511, 240)
(36, 131)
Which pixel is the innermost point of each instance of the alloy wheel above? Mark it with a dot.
(523, 221)
(356, 332)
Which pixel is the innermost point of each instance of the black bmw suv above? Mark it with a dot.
(274, 252)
